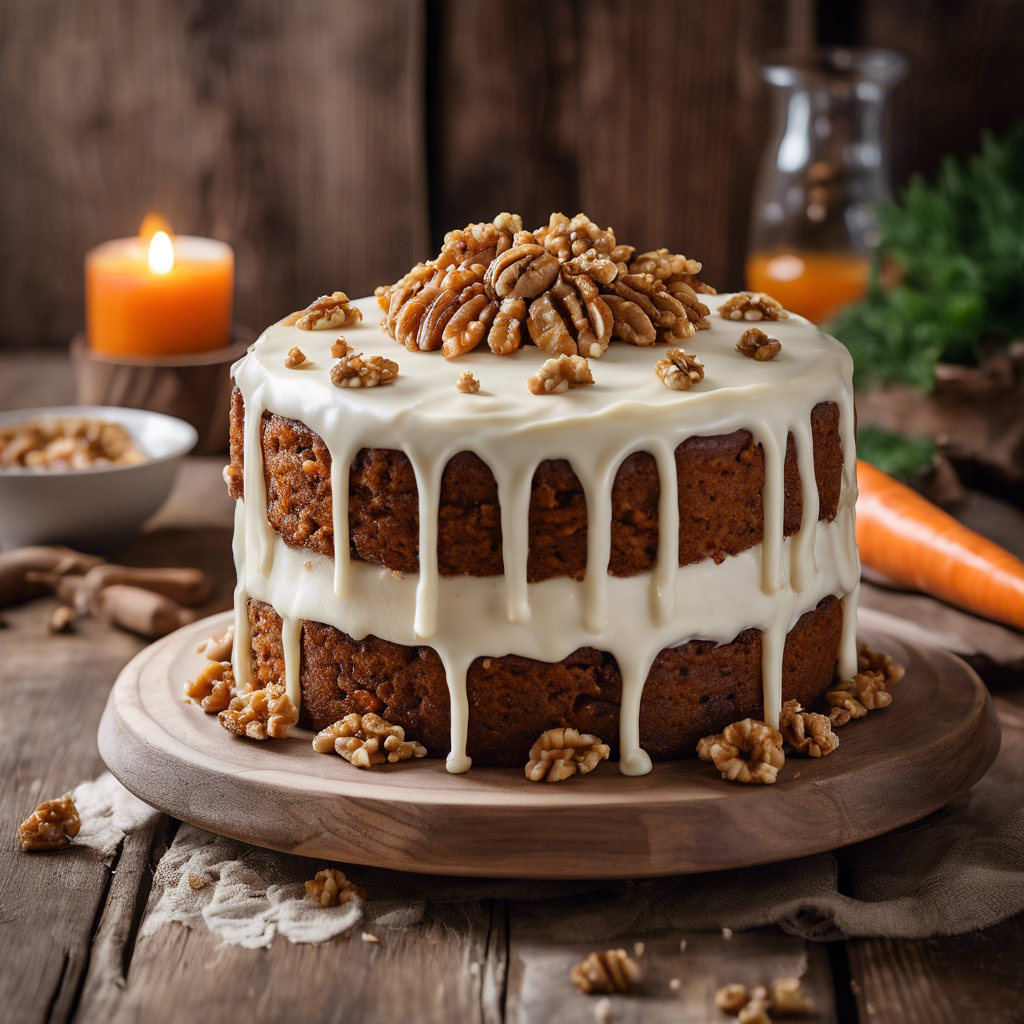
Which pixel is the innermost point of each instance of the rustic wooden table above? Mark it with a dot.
(69, 922)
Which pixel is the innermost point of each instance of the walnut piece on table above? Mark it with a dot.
(755, 344)
(559, 753)
(808, 733)
(328, 311)
(560, 374)
(732, 998)
(678, 370)
(614, 970)
(358, 371)
(212, 688)
(261, 714)
(51, 826)
(869, 660)
(747, 751)
(787, 998)
(331, 888)
(218, 648)
(367, 740)
(752, 306)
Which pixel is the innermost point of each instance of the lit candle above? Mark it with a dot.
(158, 294)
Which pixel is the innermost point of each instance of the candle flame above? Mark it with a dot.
(152, 223)
(161, 253)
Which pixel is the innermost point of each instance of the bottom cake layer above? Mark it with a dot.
(692, 690)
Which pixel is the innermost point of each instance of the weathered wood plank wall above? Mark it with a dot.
(333, 143)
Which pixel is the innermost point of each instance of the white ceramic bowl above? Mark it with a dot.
(92, 507)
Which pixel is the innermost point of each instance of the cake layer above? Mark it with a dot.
(720, 481)
(692, 690)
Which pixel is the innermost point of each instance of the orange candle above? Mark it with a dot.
(814, 284)
(157, 294)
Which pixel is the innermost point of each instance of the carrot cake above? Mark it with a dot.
(484, 544)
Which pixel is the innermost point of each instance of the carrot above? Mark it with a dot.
(915, 543)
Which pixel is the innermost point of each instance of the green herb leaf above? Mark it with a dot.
(896, 454)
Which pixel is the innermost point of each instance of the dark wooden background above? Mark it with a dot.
(332, 142)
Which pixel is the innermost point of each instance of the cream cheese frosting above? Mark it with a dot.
(626, 410)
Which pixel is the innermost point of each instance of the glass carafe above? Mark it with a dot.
(822, 175)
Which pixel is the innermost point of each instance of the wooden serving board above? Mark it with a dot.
(936, 740)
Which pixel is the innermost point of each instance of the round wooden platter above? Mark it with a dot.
(892, 767)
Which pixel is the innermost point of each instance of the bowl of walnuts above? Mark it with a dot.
(86, 475)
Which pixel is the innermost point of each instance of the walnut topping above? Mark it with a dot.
(218, 648)
(326, 312)
(672, 268)
(560, 374)
(678, 370)
(787, 998)
(295, 358)
(367, 740)
(358, 371)
(855, 697)
(331, 888)
(559, 753)
(569, 283)
(261, 714)
(755, 344)
(746, 751)
(809, 733)
(874, 661)
(212, 688)
(752, 306)
(467, 383)
(340, 347)
(53, 824)
(611, 971)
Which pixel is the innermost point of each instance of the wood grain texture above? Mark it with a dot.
(414, 816)
(292, 131)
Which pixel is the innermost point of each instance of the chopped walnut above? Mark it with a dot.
(787, 998)
(261, 714)
(467, 383)
(326, 312)
(212, 688)
(875, 661)
(358, 371)
(732, 998)
(755, 344)
(295, 358)
(752, 306)
(367, 740)
(218, 648)
(678, 370)
(567, 238)
(809, 733)
(854, 698)
(331, 888)
(52, 825)
(340, 347)
(559, 753)
(67, 443)
(756, 1010)
(746, 751)
(611, 971)
(560, 374)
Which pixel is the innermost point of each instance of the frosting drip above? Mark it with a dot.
(767, 587)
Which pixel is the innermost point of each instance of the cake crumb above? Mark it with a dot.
(682, 945)
(726, 933)
(195, 882)
(675, 984)
(603, 1011)
(370, 937)
(638, 948)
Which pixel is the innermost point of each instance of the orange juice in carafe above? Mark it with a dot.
(814, 284)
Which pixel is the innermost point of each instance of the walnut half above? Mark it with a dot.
(559, 753)
(614, 970)
(746, 751)
(679, 371)
(809, 733)
(261, 714)
(560, 374)
(331, 888)
(367, 740)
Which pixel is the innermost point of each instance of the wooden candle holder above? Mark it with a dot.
(195, 387)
